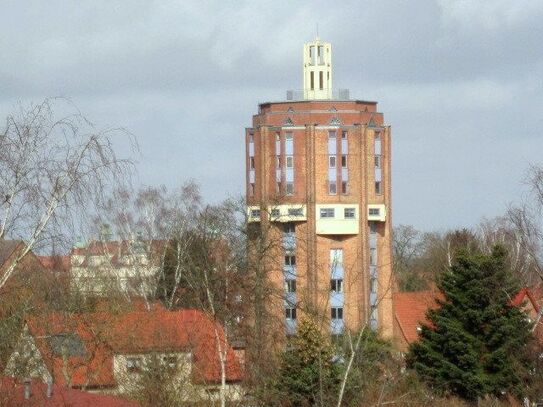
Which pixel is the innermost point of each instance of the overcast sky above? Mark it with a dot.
(460, 82)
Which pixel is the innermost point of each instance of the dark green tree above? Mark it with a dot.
(477, 341)
(308, 375)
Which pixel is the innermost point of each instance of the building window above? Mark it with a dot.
(378, 187)
(374, 211)
(251, 138)
(373, 285)
(290, 161)
(336, 285)
(336, 257)
(288, 227)
(277, 137)
(290, 260)
(170, 361)
(337, 313)
(373, 228)
(321, 81)
(349, 213)
(290, 188)
(327, 212)
(344, 161)
(373, 256)
(331, 135)
(332, 161)
(312, 79)
(252, 163)
(278, 162)
(133, 364)
(288, 136)
(290, 313)
(377, 161)
(344, 134)
(252, 189)
(255, 213)
(290, 286)
(296, 212)
(332, 188)
(344, 187)
(275, 213)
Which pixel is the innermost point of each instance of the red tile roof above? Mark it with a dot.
(410, 311)
(159, 330)
(12, 395)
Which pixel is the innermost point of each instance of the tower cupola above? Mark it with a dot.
(317, 70)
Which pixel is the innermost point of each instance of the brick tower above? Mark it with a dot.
(318, 184)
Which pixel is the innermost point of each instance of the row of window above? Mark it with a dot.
(336, 313)
(348, 213)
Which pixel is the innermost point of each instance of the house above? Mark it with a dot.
(14, 393)
(102, 267)
(108, 353)
(410, 312)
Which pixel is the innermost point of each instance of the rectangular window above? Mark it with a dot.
(133, 364)
(252, 189)
(337, 313)
(377, 161)
(331, 135)
(327, 212)
(373, 285)
(290, 161)
(252, 163)
(290, 313)
(255, 213)
(373, 256)
(374, 211)
(344, 161)
(378, 187)
(288, 136)
(336, 257)
(336, 285)
(296, 212)
(332, 188)
(321, 81)
(344, 134)
(290, 260)
(275, 213)
(350, 213)
(288, 227)
(290, 188)
(373, 228)
(290, 286)
(312, 79)
(344, 187)
(251, 138)
(332, 161)
(170, 361)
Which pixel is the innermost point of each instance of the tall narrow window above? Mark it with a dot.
(290, 260)
(344, 134)
(332, 161)
(251, 138)
(344, 161)
(252, 189)
(252, 163)
(321, 81)
(331, 135)
(336, 257)
(290, 161)
(278, 187)
(344, 189)
(290, 188)
(288, 227)
(278, 162)
(290, 286)
(337, 313)
(378, 188)
(332, 187)
(336, 285)
(290, 313)
(312, 80)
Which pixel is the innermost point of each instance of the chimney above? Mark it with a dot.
(49, 387)
(27, 383)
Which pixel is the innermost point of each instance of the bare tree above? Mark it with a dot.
(53, 170)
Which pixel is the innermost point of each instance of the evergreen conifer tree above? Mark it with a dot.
(477, 342)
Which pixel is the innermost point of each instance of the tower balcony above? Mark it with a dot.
(318, 94)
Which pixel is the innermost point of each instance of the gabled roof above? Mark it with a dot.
(410, 311)
(104, 334)
(12, 395)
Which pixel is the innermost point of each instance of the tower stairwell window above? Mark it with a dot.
(312, 80)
